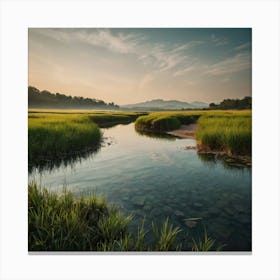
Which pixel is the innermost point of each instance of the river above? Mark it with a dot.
(155, 178)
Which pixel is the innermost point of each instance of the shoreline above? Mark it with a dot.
(184, 131)
(188, 132)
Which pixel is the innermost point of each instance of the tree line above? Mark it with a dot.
(46, 99)
(239, 104)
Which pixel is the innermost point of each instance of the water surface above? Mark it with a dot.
(155, 178)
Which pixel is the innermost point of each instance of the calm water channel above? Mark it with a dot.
(157, 178)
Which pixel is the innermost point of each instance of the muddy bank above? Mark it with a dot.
(185, 131)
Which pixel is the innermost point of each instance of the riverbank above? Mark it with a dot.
(62, 135)
(59, 222)
(189, 132)
(218, 132)
(184, 131)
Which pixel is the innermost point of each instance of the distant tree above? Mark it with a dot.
(239, 104)
(46, 99)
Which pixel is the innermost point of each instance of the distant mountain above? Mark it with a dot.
(158, 104)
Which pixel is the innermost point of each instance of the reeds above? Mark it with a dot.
(58, 222)
(229, 132)
(57, 134)
(226, 131)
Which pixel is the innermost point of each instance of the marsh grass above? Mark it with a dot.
(230, 132)
(165, 238)
(60, 222)
(56, 135)
(206, 244)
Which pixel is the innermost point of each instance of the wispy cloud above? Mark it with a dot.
(243, 46)
(160, 57)
(164, 58)
(237, 63)
(121, 43)
(217, 41)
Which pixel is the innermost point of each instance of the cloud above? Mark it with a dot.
(241, 47)
(184, 71)
(164, 58)
(218, 41)
(160, 57)
(176, 59)
(237, 63)
(119, 43)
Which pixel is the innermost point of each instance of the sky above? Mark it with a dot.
(126, 65)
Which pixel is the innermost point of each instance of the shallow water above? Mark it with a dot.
(155, 178)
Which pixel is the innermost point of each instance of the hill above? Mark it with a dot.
(160, 104)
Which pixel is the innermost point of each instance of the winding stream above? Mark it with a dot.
(155, 178)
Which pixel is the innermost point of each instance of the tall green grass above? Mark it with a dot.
(53, 136)
(206, 244)
(230, 132)
(62, 223)
(56, 134)
(58, 222)
(227, 131)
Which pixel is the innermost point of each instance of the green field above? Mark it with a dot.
(230, 132)
(227, 131)
(54, 134)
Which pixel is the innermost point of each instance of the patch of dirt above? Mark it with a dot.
(185, 131)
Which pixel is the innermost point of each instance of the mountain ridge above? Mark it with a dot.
(168, 104)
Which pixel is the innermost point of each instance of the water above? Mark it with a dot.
(155, 178)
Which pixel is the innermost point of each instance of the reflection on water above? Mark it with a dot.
(70, 159)
(228, 162)
(160, 136)
(63, 161)
(158, 179)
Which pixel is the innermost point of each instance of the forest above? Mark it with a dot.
(46, 99)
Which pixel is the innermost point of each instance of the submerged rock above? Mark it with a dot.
(191, 222)
(139, 201)
(179, 213)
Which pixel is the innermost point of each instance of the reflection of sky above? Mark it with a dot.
(131, 158)
(166, 178)
(133, 65)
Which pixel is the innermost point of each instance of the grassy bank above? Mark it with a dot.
(166, 121)
(62, 223)
(219, 131)
(55, 134)
(230, 132)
